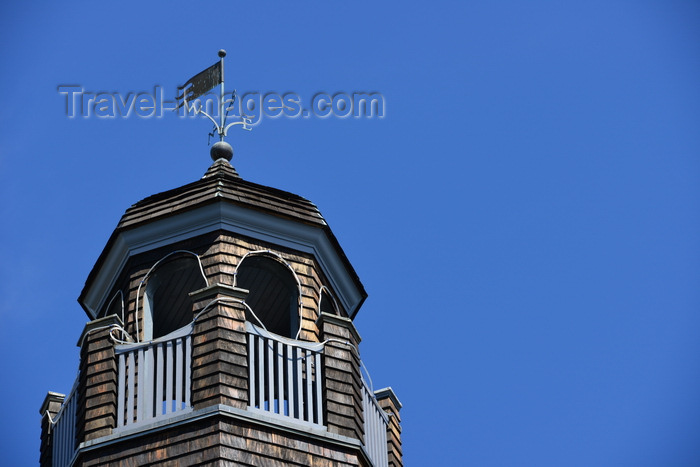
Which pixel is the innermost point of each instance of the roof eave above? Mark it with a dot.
(131, 240)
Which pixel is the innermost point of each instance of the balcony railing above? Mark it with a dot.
(285, 382)
(284, 376)
(63, 429)
(376, 422)
(154, 379)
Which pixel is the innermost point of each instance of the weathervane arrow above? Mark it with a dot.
(200, 84)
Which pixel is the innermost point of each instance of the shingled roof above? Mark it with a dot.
(222, 182)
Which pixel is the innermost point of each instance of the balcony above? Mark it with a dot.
(154, 388)
(63, 429)
(285, 378)
(154, 379)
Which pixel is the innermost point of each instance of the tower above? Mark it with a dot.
(221, 333)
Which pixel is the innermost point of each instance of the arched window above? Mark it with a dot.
(327, 303)
(274, 293)
(166, 304)
(116, 305)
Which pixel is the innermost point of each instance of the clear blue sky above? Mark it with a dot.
(525, 217)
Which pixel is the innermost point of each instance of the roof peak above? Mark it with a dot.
(221, 167)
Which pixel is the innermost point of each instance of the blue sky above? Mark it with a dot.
(525, 217)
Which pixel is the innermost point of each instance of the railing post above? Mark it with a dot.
(391, 406)
(343, 383)
(97, 390)
(219, 348)
(49, 409)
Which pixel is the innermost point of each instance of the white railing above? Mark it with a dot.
(154, 378)
(63, 429)
(376, 422)
(285, 376)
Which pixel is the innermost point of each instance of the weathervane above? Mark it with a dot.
(200, 84)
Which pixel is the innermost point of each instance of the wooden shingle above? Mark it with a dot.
(221, 182)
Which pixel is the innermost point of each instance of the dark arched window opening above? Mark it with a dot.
(273, 297)
(167, 304)
(327, 304)
(116, 305)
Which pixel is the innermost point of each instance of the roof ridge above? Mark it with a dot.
(221, 167)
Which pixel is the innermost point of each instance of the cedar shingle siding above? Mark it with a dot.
(219, 441)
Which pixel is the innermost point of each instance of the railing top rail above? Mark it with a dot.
(253, 329)
(183, 331)
(373, 399)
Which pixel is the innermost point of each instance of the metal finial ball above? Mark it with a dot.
(221, 150)
(222, 53)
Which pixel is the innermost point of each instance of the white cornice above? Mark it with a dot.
(232, 218)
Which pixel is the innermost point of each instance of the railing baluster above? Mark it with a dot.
(369, 444)
(319, 389)
(63, 438)
(141, 368)
(72, 420)
(178, 375)
(121, 388)
(270, 382)
(130, 389)
(299, 396)
(309, 393)
(375, 430)
(279, 383)
(188, 368)
(148, 384)
(251, 370)
(64, 443)
(168, 377)
(261, 374)
(160, 378)
(289, 370)
(59, 443)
